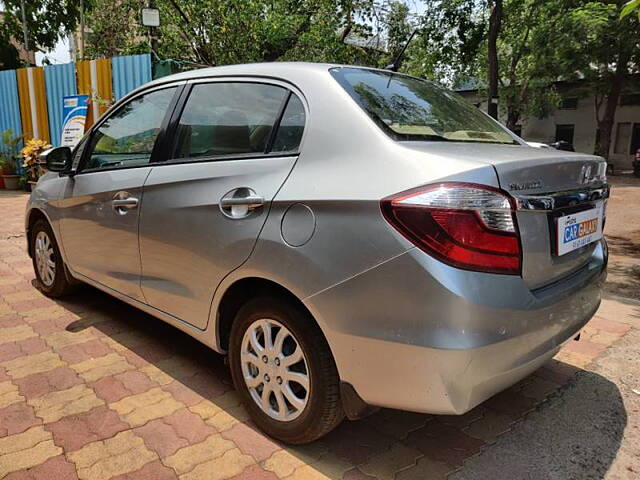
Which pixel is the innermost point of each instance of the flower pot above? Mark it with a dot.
(11, 182)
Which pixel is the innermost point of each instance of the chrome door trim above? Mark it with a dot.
(547, 202)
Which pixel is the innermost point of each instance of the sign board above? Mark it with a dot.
(150, 17)
(74, 114)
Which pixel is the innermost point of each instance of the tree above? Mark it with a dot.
(219, 32)
(398, 27)
(9, 57)
(47, 21)
(115, 28)
(605, 52)
(449, 46)
(532, 56)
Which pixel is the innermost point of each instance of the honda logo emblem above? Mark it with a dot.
(585, 174)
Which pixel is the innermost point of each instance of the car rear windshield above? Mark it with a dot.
(408, 108)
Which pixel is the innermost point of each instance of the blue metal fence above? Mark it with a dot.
(129, 73)
(60, 80)
(9, 106)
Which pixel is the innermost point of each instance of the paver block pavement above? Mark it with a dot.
(26, 449)
(123, 453)
(53, 406)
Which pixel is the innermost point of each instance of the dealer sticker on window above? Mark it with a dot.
(579, 229)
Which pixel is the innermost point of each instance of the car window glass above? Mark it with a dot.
(408, 108)
(127, 137)
(227, 119)
(291, 127)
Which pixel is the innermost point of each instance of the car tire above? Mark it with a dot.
(291, 327)
(48, 265)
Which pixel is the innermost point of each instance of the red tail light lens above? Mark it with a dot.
(465, 225)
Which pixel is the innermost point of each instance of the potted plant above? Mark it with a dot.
(30, 155)
(9, 153)
(10, 174)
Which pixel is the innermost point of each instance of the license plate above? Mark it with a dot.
(579, 229)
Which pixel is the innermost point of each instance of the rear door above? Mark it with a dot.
(100, 204)
(206, 203)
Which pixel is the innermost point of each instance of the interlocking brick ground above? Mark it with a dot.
(91, 388)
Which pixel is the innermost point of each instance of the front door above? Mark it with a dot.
(235, 144)
(100, 204)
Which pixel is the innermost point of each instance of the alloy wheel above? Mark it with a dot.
(45, 259)
(275, 370)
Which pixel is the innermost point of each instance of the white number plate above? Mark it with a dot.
(577, 230)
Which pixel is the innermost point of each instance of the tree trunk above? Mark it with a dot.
(494, 30)
(605, 125)
(513, 117)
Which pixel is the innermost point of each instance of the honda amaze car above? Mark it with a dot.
(351, 238)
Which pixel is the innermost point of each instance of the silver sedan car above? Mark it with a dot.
(351, 238)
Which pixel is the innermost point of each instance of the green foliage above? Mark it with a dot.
(9, 152)
(602, 40)
(449, 46)
(629, 7)
(47, 20)
(219, 32)
(9, 58)
(399, 27)
(9, 143)
(115, 29)
(541, 42)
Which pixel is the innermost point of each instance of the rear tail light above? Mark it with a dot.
(465, 225)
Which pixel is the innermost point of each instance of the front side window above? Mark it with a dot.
(127, 138)
(232, 118)
(408, 108)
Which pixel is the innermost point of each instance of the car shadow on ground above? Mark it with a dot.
(577, 436)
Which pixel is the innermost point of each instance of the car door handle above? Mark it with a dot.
(122, 203)
(240, 203)
(251, 201)
(125, 203)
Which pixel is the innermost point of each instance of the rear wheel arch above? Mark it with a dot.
(242, 291)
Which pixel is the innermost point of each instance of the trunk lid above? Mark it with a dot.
(548, 184)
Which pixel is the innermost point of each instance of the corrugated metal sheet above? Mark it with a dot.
(9, 105)
(31, 82)
(129, 73)
(60, 81)
(103, 88)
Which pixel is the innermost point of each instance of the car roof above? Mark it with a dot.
(283, 70)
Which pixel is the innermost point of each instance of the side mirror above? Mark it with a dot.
(56, 159)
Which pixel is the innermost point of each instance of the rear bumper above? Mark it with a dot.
(415, 334)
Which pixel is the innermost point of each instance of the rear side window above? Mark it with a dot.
(227, 119)
(291, 127)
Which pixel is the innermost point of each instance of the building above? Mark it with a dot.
(574, 121)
